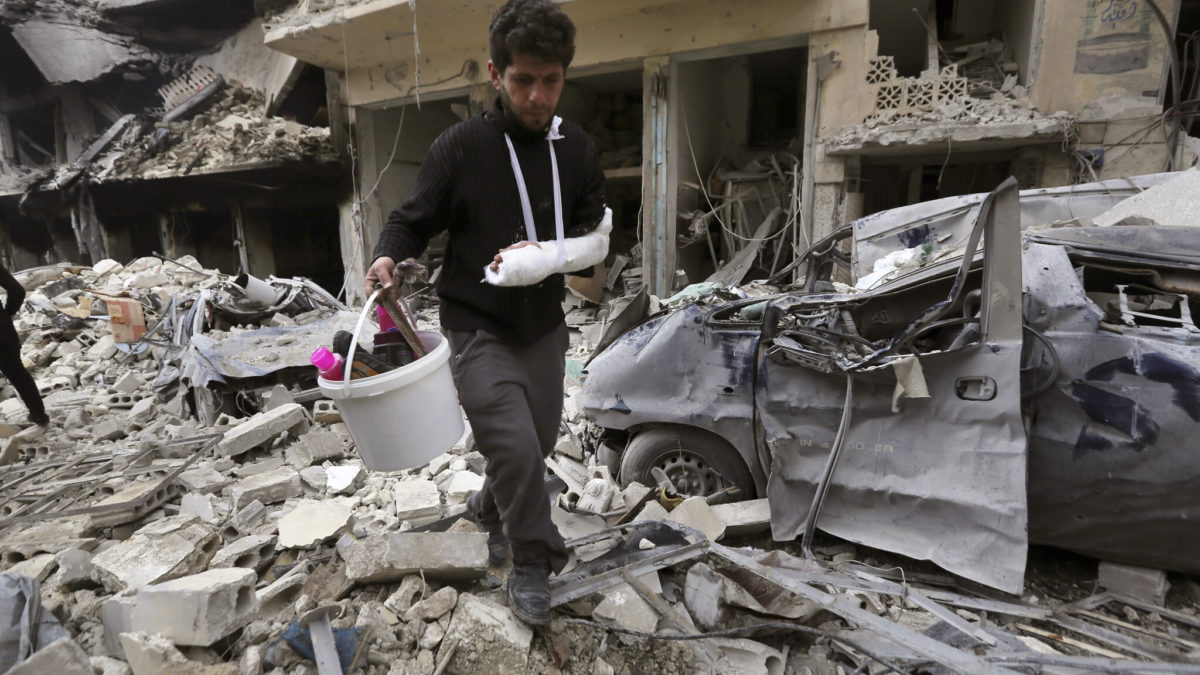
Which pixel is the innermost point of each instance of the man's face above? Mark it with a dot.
(529, 89)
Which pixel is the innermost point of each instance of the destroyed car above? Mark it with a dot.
(1020, 375)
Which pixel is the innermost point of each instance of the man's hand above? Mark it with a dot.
(498, 259)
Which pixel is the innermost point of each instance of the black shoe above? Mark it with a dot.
(497, 543)
(40, 419)
(529, 594)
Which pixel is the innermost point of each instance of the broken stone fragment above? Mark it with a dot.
(199, 609)
(203, 479)
(339, 479)
(747, 517)
(624, 607)
(1142, 583)
(74, 569)
(313, 522)
(314, 477)
(261, 428)
(735, 655)
(61, 657)
(39, 567)
(695, 512)
(149, 653)
(315, 446)
(283, 592)
(462, 485)
(435, 606)
(417, 499)
(199, 505)
(490, 638)
(129, 382)
(411, 588)
(438, 555)
(268, 488)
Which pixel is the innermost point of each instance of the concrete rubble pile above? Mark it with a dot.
(273, 529)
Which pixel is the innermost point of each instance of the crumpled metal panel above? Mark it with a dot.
(254, 353)
(946, 222)
(1113, 470)
(678, 368)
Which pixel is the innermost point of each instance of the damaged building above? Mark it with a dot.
(134, 128)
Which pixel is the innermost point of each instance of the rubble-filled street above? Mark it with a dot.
(885, 357)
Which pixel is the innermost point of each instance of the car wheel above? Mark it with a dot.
(698, 463)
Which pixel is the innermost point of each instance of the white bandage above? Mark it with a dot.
(530, 264)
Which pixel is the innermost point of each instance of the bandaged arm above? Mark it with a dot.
(528, 265)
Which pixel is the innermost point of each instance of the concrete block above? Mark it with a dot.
(104, 349)
(245, 520)
(435, 606)
(143, 411)
(110, 429)
(328, 583)
(325, 412)
(160, 551)
(490, 638)
(652, 511)
(417, 499)
(268, 488)
(438, 555)
(149, 653)
(339, 479)
(61, 657)
(742, 518)
(315, 446)
(120, 401)
(281, 594)
(597, 495)
(199, 609)
(261, 428)
(313, 522)
(695, 512)
(253, 552)
(567, 445)
(410, 590)
(116, 617)
(144, 497)
(1142, 583)
(461, 485)
(735, 655)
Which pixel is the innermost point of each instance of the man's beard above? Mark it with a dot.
(513, 119)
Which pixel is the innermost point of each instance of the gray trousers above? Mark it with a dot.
(513, 397)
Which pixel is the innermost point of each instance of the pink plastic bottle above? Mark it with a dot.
(385, 319)
(328, 363)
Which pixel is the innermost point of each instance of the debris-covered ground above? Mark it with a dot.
(158, 543)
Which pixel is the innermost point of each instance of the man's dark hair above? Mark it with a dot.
(534, 27)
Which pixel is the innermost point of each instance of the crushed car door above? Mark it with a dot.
(940, 478)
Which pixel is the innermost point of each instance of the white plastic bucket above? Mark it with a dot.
(405, 417)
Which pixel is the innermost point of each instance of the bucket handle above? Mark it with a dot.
(362, 318)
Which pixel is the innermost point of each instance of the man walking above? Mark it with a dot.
(10, 351)
(505, 185)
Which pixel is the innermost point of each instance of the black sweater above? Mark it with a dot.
(466, 185)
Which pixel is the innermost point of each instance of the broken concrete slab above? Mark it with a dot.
(261, 428)
(624, 607)
(695, 512)
(199, 609)
(268, 488)
(738, 656)
(116, 616)
(61, 657)
(490, 638)
(149, 653)
(450, 556)
(1171, 203)
(143, 497)
(203, 479)
(744, 518)
(315, 446)
(314, 477)
(1142, 583)
(165, 549)
(312, 522)
(253, 552)
(129, 382)
(39, 567)
(417, 499)
(199, 505)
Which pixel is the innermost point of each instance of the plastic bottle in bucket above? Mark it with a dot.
(329, 364)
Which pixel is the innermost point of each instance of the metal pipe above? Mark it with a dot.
(814, 510)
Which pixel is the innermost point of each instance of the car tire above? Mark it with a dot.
(699, 463)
